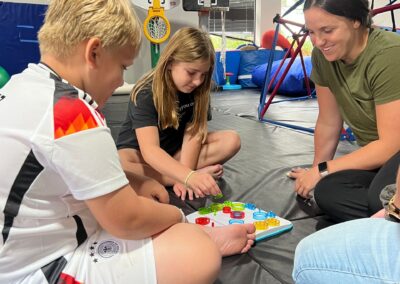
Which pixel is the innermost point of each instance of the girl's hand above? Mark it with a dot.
(203, 184)
(306, 179)
(181, 191)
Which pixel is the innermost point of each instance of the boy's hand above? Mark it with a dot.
(159, 194)
(148, 188)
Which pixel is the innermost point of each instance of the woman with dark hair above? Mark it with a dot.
(355, 70)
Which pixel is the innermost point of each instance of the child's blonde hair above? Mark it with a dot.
(68, 23)
(186, 45)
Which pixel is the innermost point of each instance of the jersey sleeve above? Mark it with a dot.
(84, 153)
(382, 73)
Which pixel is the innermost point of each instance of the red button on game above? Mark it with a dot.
(226, 209)
(202, 221)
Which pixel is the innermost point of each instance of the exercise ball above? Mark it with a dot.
(267, 40)
(4, 77)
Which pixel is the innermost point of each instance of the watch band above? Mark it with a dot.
(393, 211)
(323, 169)
(390, 217)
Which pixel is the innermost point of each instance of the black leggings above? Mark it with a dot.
(353, 194)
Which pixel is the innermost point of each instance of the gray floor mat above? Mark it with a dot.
(257, 174)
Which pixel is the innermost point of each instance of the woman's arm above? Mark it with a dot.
(328, 126)
(326, 138)
(371, 156)
(376, 153)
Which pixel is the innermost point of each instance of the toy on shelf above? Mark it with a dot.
(267, 224)
(228, 85)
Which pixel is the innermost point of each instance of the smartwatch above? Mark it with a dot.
(393, 212)
(323, 169)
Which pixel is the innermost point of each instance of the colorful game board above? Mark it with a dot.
(267, 224)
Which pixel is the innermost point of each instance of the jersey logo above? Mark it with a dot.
(72, 115)
(104, 250)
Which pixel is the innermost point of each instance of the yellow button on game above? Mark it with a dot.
(261, 225)
(273, 222)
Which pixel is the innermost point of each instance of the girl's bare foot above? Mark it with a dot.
(232, 239)
(215, 170)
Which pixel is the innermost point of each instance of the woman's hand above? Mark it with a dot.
(306, 179)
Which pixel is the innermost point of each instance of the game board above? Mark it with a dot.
(267, 224)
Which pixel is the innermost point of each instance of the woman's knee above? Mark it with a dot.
(328, 195)
(304, 259)
(323, 194)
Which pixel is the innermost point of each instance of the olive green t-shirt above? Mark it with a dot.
(372, 79)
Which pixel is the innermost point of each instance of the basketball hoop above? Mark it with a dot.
(156, 26)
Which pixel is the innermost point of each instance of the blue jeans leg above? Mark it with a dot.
(360, 251)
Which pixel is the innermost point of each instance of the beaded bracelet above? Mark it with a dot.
(187, 177)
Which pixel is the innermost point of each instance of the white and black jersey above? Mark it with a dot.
(56, 151)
